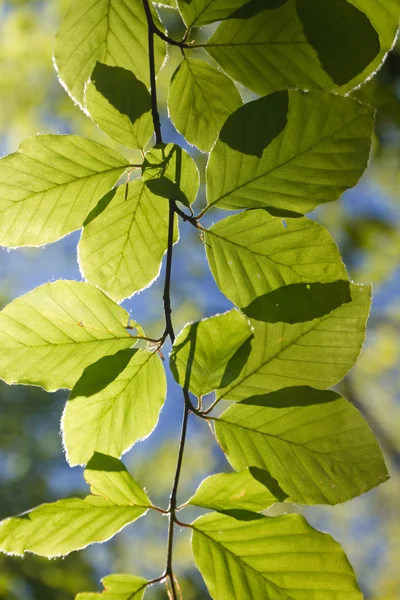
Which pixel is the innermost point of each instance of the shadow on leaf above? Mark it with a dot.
(100, 374)
(233, 367)
(299, 302)
(344, 39)
(104, 462)
(122, 89)
(252, 127)
(100, 206)
(254, 7)
(291, 397)
(266, 479)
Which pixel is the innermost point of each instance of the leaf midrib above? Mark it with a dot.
(66, 184)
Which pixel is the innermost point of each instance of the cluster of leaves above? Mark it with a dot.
(298, 325)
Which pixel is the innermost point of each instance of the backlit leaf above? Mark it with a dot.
(48, 187)
(275, 558)
(61, 527)
(254, 253)
(250, 489)
(317, 353)
(314, 443)
(116, 402)
(171, 173)
(109, 478)
(292, 150)
(204, 356)
(51, 334)
(113, 32)
(118, 587)
(199, 101)
(122, 246)
(120, 104)
(196, 13)
(332, 46)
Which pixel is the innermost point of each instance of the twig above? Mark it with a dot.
(154, 107)
(169, 329)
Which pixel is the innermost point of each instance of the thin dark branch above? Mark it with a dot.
(189, 218)
(154, 107)
(181, 44)
(169, 329)
(173, 499)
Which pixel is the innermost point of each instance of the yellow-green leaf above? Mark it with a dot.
(48, 187)
(120, 104)
(111, 31)
(124, 240)
(270, 558)
(115, 403)
(314, 443)
(51, 334)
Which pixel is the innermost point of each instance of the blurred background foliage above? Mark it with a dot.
(365, 224)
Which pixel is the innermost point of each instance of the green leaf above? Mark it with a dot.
(250, 489)
(171, 173)
(196, 13)
(113, 32)
(122, 246)
(275, 558)
(118, 587)
(51, 334)
(199, 101)
(109, 478)
(311, 45)
(48, 187)
(166, 3)
(114, 404)
(120, 104)
(339, 19)
(61, 527)
(315, 444)
(255, 253)
(318, 353)
(205, 354)
(292, 150)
